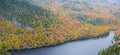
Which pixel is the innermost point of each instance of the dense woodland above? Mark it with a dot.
(51, 25)
(113, 50)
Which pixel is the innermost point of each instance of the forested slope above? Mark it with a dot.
(49, 24)
(25, 13)
(113, 50)
(87, 11)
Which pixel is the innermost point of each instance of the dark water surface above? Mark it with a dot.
(84, 47)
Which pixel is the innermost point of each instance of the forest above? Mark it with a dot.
(49, 25)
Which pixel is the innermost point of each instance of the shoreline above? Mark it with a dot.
(79, 39)
(115, 41)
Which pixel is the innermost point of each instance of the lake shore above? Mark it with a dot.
(79, 47)
(79, 39)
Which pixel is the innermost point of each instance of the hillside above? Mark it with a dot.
(38, 23)
(89, 11)
(25, 13)
(113, 50)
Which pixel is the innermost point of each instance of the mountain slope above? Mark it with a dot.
(25, 13)
(49, 24)
(113, 50)
(89, 10)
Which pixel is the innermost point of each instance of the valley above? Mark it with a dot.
(43, 23)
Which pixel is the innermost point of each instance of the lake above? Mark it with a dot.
(81, 47)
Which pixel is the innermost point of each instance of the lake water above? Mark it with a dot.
(83, 47)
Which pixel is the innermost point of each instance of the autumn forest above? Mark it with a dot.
(26, 24)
